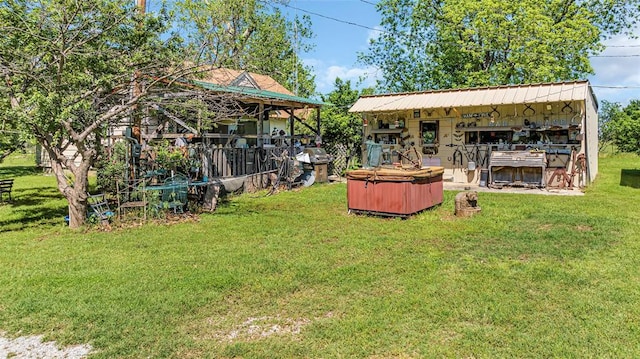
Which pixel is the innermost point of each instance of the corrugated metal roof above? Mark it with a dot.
(226, 77)
(256, 93)
(478, 96)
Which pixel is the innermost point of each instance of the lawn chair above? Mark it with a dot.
(132, 194)
(175, 196)
(5, 188)
(99, 207)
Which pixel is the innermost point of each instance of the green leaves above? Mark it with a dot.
(249, 35)
(338, 125)
(621, 126)
(66, 59)
(460, 43)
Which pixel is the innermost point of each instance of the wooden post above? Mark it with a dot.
(291, 132)
(260, 125)
(136, 86)
(318, 134)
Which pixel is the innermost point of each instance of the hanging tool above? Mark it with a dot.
(482, 157)
(457, 157)
(469, 155)
(578, 168)
(567, 106)
(528, 108)
(494, 109)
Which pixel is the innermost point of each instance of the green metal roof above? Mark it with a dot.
(263, 94)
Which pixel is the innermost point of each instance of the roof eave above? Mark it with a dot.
(262, 95)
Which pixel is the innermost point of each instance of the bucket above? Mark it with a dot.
(484, 177)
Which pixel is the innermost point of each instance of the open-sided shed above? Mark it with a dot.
(460, 128)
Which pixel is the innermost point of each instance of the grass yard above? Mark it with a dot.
(293, 275)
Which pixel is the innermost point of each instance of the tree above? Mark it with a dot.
(246, 35)
(11, 139)
(458, 43)
(621, 126)
(67, 72)
(338, 126)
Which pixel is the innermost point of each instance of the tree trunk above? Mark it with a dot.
(77, 196)
(74, 190)
(77, 208)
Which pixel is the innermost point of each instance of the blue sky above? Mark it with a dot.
(616, 79)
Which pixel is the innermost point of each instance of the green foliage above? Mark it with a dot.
(111, 169)
(170, 158)
(621, 126)
(459, 43)
(84, 52)
(338, 125)
(10, 141)
(249, 35)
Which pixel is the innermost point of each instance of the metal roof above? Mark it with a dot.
(259, 94)
(228, 77)
(478, 96)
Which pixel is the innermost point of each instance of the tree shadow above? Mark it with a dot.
(33, 207)
(19, 171)
(630, 178)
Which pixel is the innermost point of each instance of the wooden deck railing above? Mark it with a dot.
(234, 162)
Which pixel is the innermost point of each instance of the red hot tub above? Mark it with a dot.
(394, 192)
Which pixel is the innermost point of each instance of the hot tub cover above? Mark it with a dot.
(395, 174)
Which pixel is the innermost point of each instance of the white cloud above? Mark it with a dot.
(326, 75)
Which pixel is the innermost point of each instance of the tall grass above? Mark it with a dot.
(294, 275)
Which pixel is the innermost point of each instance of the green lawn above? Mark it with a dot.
(293, 275)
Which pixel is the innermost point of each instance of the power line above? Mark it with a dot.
(635, 55)
(369, 2)
(616, 87)
(329, 17)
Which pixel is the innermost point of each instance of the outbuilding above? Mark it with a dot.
(536, 135)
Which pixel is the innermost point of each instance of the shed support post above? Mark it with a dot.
(291, 132)
(260, 125)
(318, 121)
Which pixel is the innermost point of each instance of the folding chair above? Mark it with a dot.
(100, 207)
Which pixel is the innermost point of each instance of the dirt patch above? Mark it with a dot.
(33, 347)
(255, 328)
(584, 228)
(545, 227)
(127, 223)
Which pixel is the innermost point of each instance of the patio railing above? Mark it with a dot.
(234, 162)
